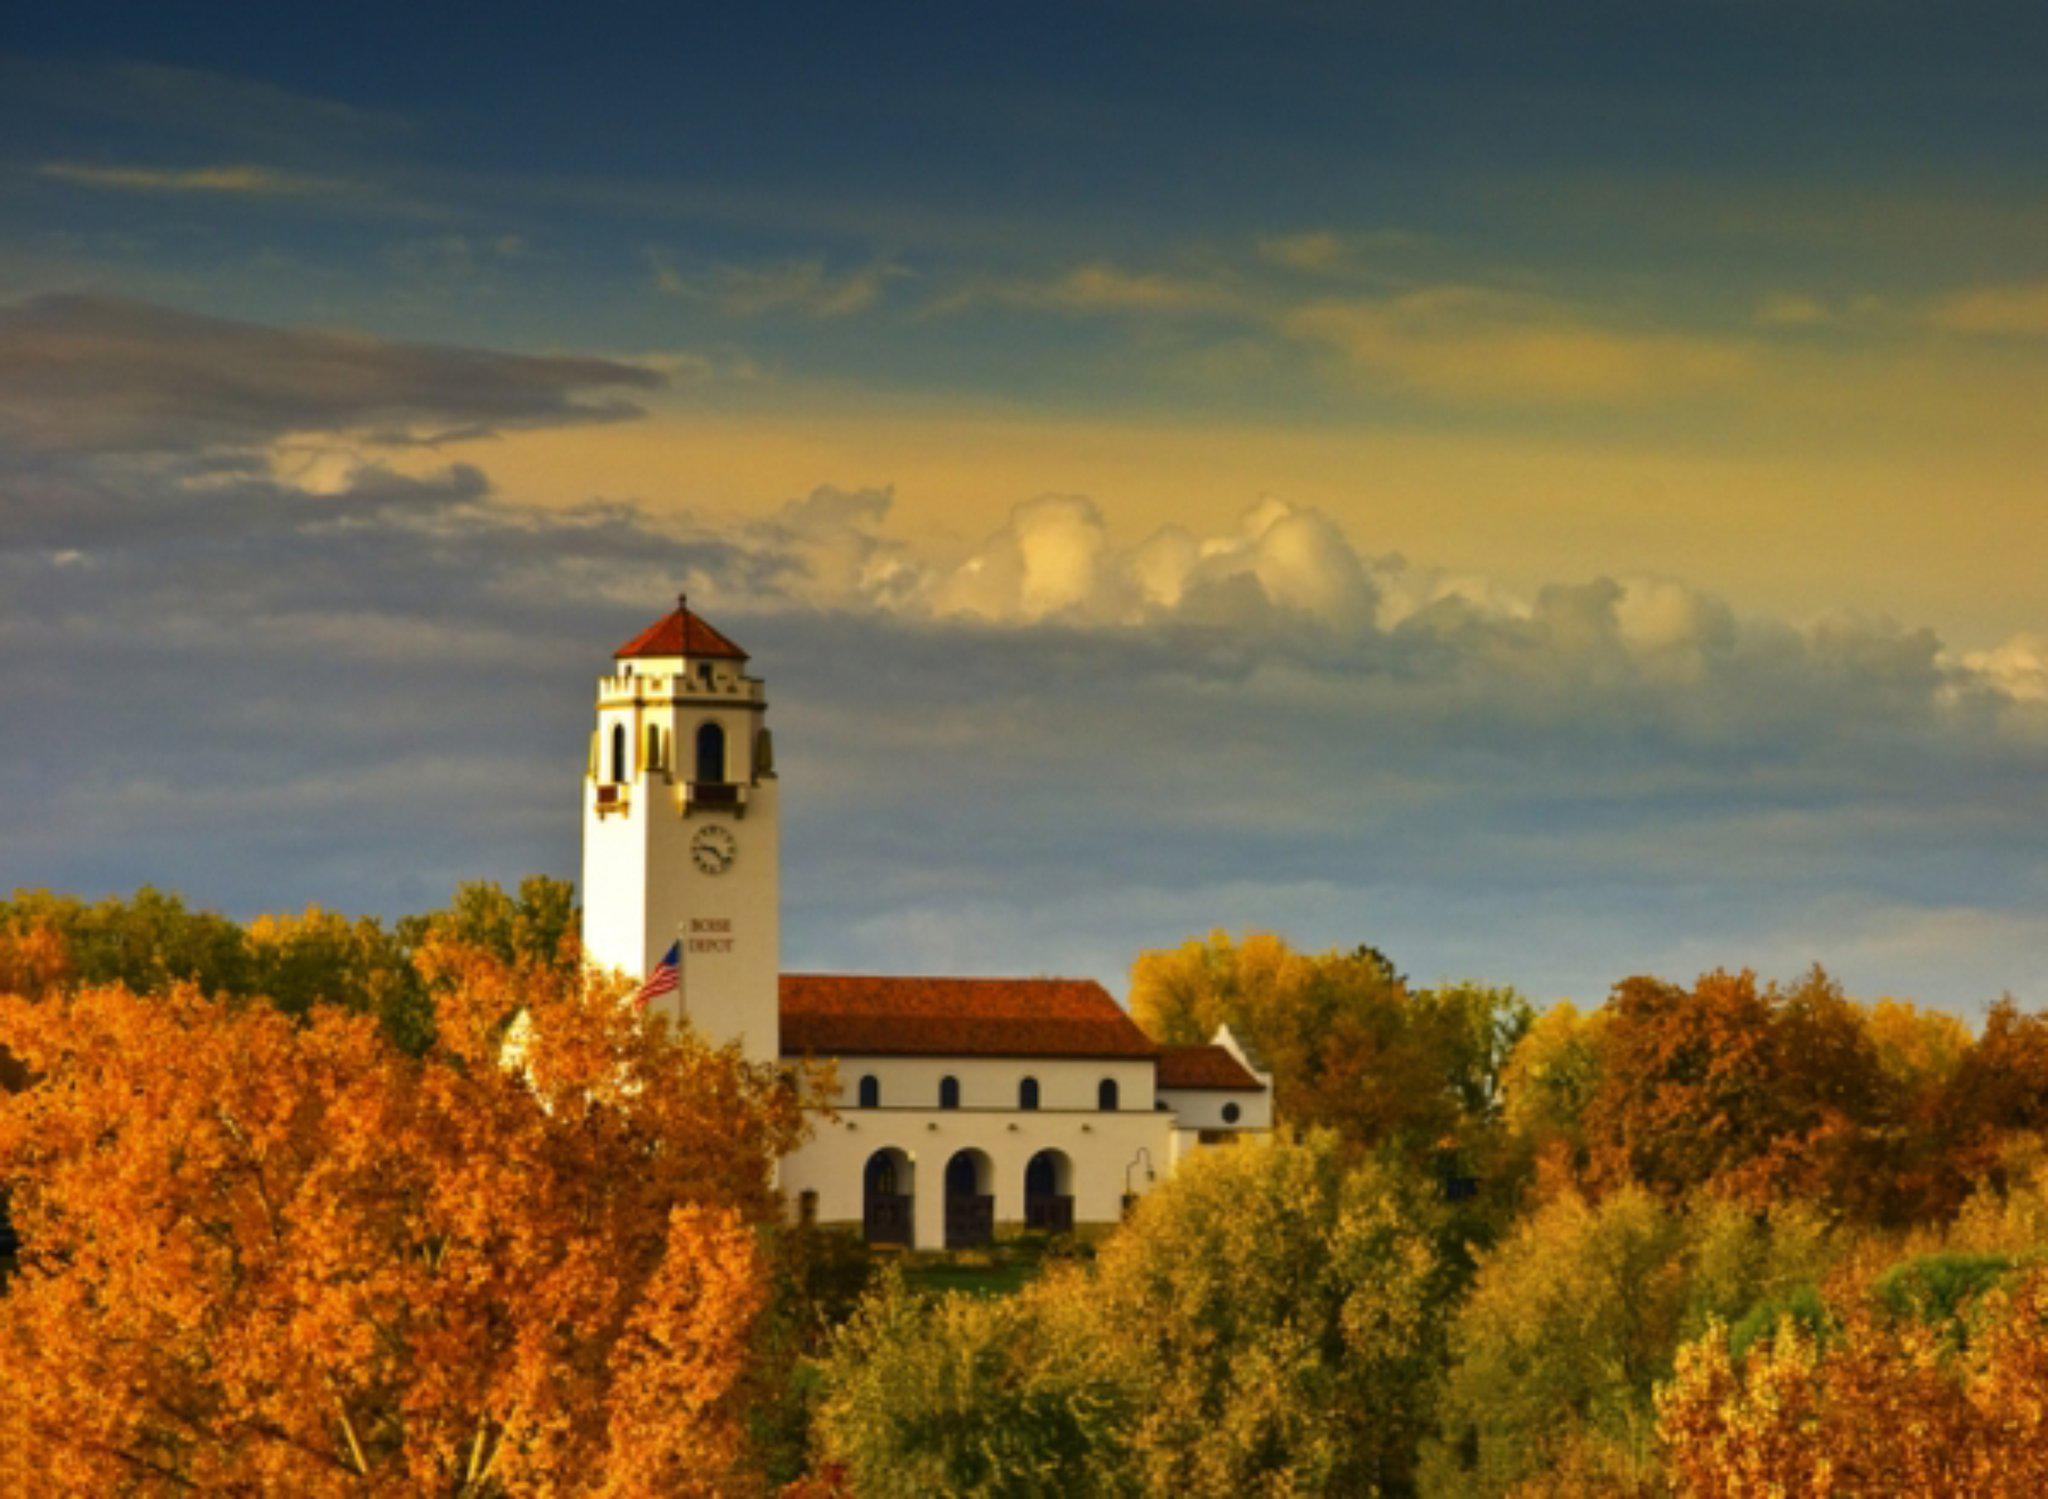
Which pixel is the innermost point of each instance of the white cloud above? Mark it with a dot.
(1084, 741)
(2018, 668)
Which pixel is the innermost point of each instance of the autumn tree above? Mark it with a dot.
(1351, 1045)
(1997, 1092)
(1578, 1314)
(35, 960)
(320, 957)
(1285, 1304)
(1762, 1093)
(1549, 1078)
(1267, 1322)
(272, 1255)
(147, 941)
(529, 925)
(965, 1395)
(298, 960)
(1885, 1405)
(1918, 1048)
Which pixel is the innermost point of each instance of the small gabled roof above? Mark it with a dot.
(846, 1014)
(1210, 1066)
(680, 633)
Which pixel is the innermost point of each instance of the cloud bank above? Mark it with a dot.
(251, 654)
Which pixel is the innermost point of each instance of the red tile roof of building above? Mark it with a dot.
(841, 1014)
(1205, 1067)
(680, 633)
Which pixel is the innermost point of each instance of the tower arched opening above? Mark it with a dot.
(711, 754)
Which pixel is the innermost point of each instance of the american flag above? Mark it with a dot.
(664, 978)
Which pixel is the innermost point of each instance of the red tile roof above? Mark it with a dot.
(842, 1014)
(680, 633)
(1205, 1067)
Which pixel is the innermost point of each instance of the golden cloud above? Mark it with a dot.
(1995, 311)
(1476, 345)
(238, 179)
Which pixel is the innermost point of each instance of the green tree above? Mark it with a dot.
(1284, 1306)
(1269, 1321)
(1577, 1316)
(965, 1395)
(148, 941)
(1554, 1353)
(528, 927)
(1549, 1079)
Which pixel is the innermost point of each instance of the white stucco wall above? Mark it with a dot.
(1109, 1154)
(992, 1082)
(1202, 1108)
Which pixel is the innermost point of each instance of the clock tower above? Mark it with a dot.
(680, 834)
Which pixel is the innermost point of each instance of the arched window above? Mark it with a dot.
(949, 1092)
(1231, 1113)
(1027, 1093)
(871, 1092)
(807, 1208)
(1106, 1096)
(654, 746)
(618, 752)
(711, 753)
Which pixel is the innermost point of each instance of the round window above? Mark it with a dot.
(1230, 1113)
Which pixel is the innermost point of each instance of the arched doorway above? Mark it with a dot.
(970, 1200)
(1049, 1192)
(888, 1190)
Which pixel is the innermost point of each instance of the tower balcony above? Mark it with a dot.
(714, 796)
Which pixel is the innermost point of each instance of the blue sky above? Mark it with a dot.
(1552, 491)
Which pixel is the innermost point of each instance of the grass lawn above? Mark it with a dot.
(1000, 1270)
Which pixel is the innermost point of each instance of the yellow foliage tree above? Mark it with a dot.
(1181, 994)
(1919, 1048)
(1885, 1406)
(34, 959)
(1350, 1045)
(279, 1257)
(1284, 1308)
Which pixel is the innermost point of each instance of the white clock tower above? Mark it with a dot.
(680, 836)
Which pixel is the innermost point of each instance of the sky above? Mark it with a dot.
(1555, 492)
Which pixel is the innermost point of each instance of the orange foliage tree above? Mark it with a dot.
(1882, 1407)
(262, 1255)
(1759, 1093)
(34, 959)
(1997, 1092)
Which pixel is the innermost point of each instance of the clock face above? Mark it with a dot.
(713, 849)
